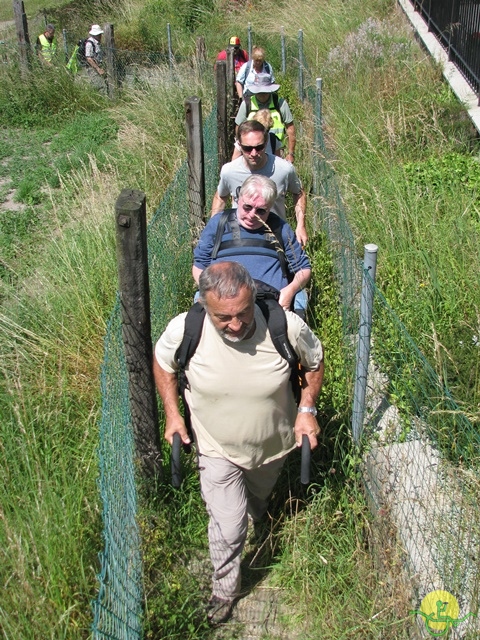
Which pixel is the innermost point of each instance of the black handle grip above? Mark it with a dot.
(305, 465)
(175, 461)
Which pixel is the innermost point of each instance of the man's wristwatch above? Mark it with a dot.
(311, 410)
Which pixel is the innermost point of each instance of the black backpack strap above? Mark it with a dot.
(229, 215)
(275, 225)
(273, 141)
(278, 329)
(276, 104)
(191, 337)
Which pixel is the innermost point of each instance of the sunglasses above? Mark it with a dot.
(260, 211)
(248, 148)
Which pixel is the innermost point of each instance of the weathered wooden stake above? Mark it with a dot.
(110, 66)
(231, 100)
(196, 167)
(22, 36)
(200, 50)
(222, 127)
(131, 231)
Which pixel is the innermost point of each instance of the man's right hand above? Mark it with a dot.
(176, 425)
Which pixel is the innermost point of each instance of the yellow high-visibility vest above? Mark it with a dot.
(48, 49)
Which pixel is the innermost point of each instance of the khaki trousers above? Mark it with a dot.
(230, 493)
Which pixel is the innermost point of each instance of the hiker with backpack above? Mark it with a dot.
(244, 417)
(274, 146)
(87, 59)
(265, 96)
(240, 56)
(248, 71)
(264, 243)
(252, 138)
(93, 49)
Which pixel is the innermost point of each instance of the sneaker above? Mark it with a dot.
(219, 610)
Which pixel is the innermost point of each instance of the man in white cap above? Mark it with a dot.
(93, 50)
(264, 96)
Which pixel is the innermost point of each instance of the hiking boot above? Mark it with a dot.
(219, 610)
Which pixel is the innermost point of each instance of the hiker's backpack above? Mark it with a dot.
(82, 60)
(248, 68)
(278, 124)
(267, 300)
(266, 243)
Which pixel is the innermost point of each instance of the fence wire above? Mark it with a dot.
(421, 452)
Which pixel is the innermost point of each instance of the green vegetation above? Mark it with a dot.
(407, 159)
(409, 163)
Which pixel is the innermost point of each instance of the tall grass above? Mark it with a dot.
(408, 158)
(52, 325)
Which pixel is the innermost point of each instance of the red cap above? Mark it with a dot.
(235, 41)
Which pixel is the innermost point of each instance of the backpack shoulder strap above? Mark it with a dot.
(276, 104)
(275, 225)
(278, 329)
(226, 216)
(191, 337)
(273, 141)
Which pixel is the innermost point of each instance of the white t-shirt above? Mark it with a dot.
(240, 397)
(233, 174)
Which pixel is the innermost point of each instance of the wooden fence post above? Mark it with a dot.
(222, 127)
(200, 51)
(231, 100)
(110, 62)
(22, 36)
(196, 166)
(132, 260)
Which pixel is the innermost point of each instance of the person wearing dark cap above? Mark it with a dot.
(240, 56)
(264, 96)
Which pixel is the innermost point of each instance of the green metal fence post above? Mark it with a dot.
(363, 346)
(300, 66)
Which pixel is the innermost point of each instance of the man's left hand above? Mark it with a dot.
(285, 299)
(302, 236)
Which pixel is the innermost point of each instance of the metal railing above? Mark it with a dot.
(456, 24)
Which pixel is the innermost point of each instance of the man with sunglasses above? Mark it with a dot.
(263, 243)
(252, 137)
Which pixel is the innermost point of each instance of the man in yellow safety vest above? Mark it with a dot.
(46, 45)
